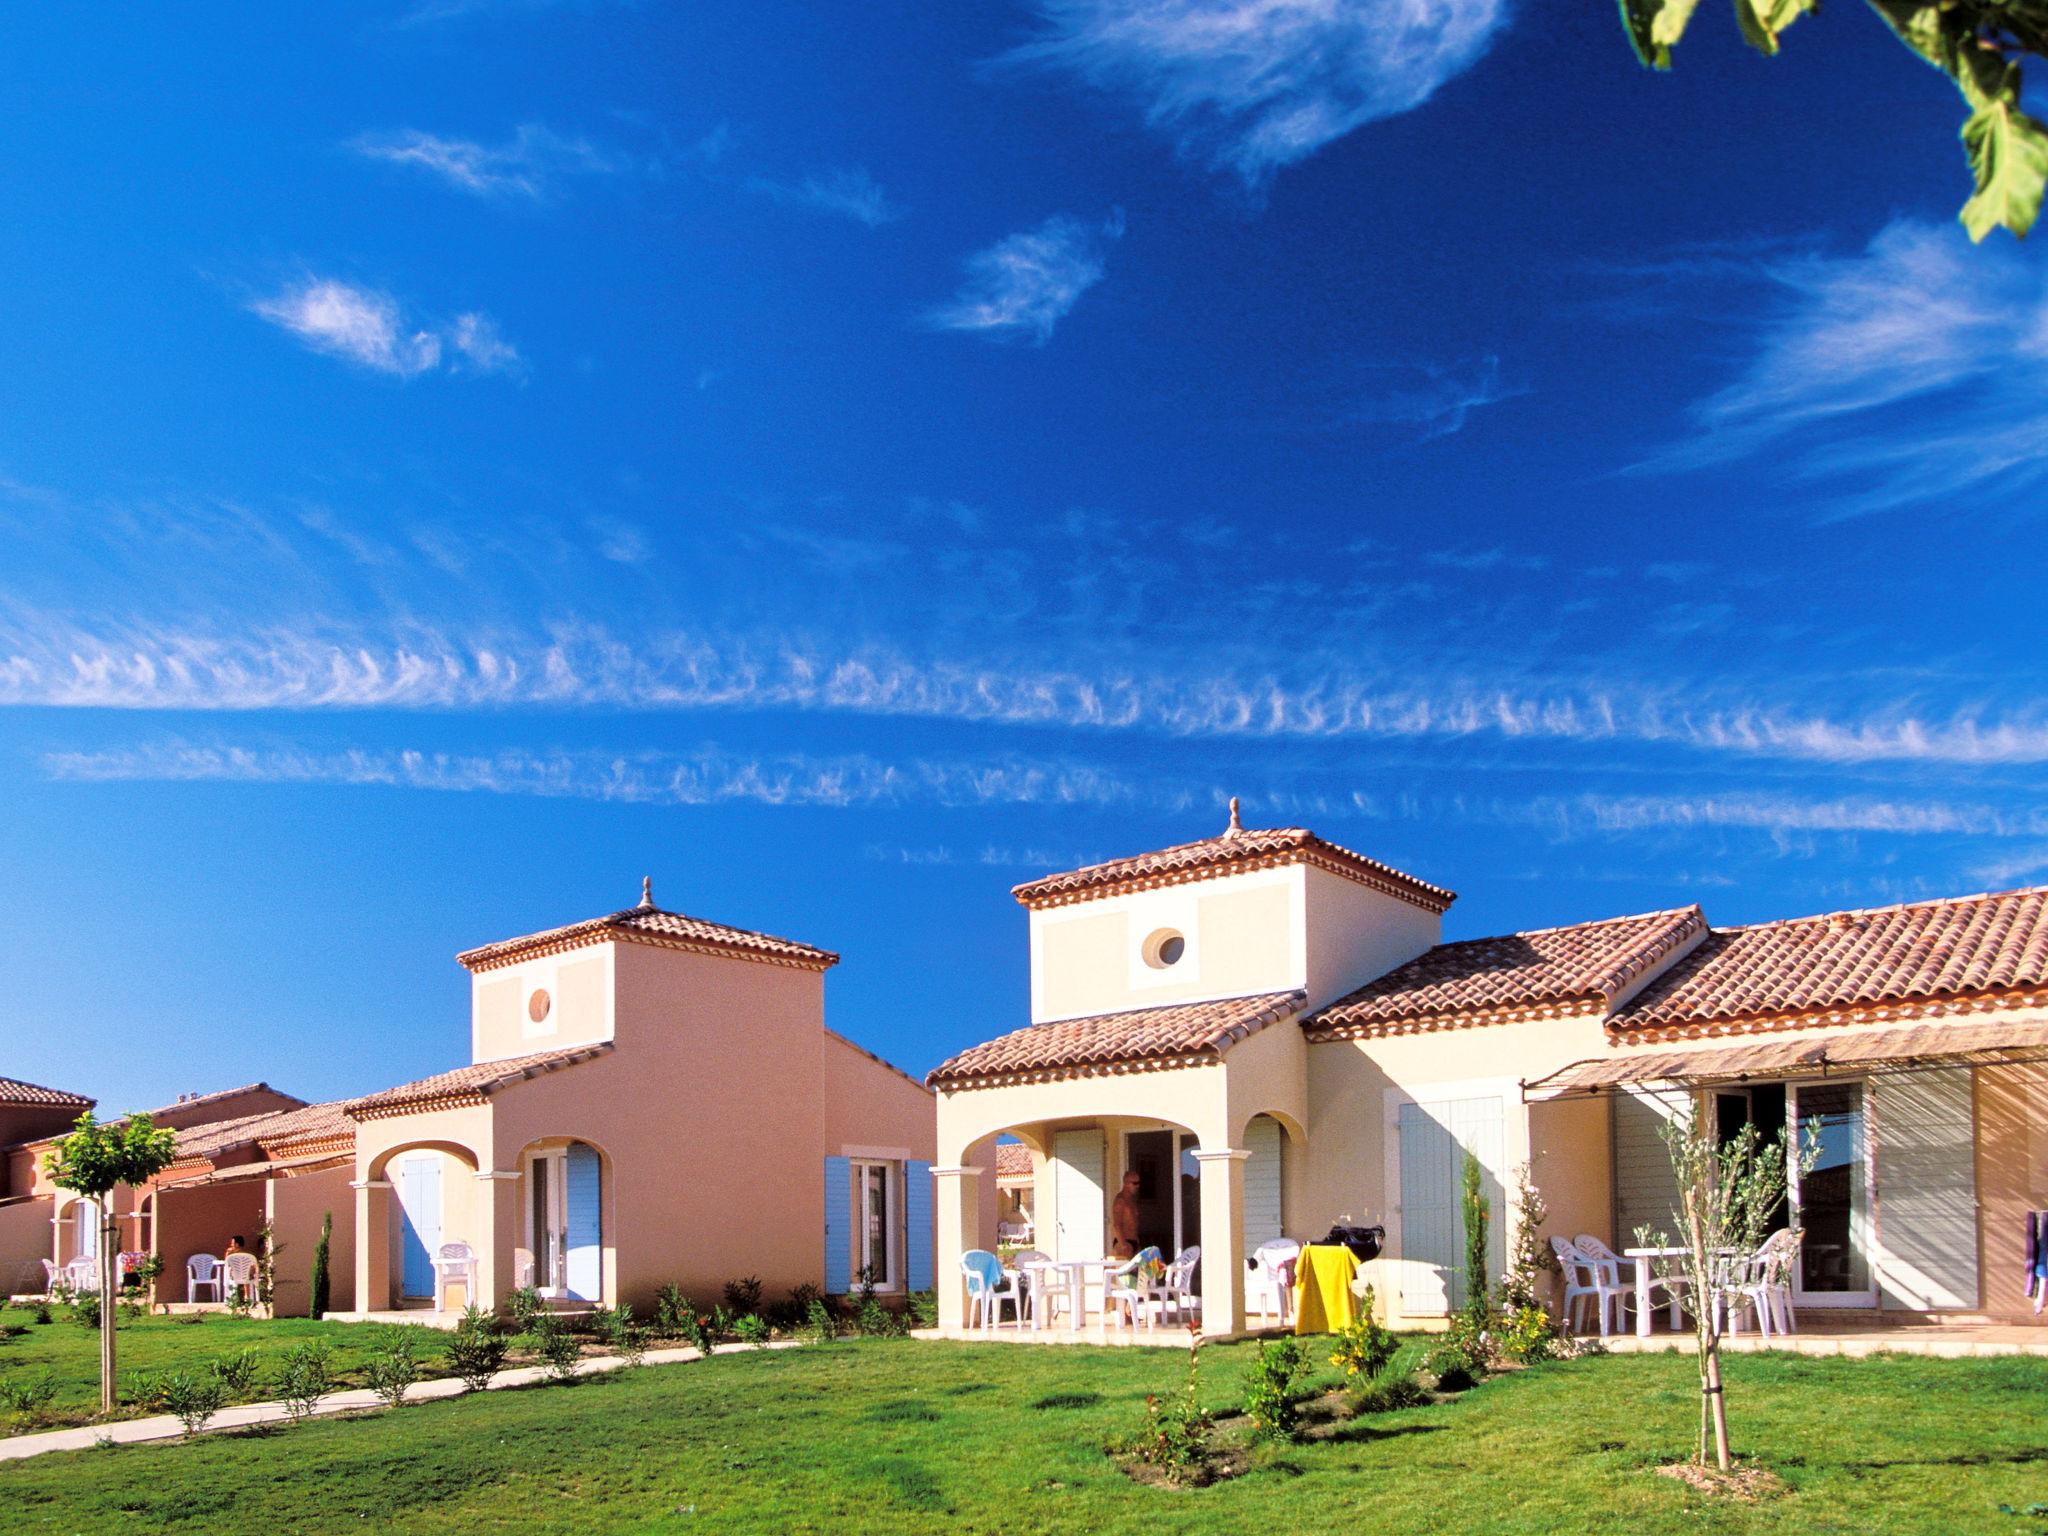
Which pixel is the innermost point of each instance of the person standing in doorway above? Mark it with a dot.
(1123, 1218)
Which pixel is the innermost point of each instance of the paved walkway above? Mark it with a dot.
(248, 1415)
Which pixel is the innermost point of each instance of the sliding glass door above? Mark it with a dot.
(1831, 1200)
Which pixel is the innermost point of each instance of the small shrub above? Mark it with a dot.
(671, 1307)
(476, 1349)
(194, 1397)
(394, 1367)
(819, 1325)
(701, 1328)
(752, 1329)
(522, 1307)
(1177, 1434)
(321, 1284)
(721, 1323)
(631, 1345)
(236, 1373)
(559, 1350)
(613, 1324)
(39, 1314)
(1363, 1349)
(85, 1309)
(1270, 1387)
(28, 1398)
(304, 1376)
(924, 1309)
(1386, 1393)
(792, 1311)
(1452, 1368)
(1527, 1334)
(743, 1295)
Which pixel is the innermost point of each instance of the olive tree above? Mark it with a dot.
(1978, 44)
(94, 1160)
(1729, 1191)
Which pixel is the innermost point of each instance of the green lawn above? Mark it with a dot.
(162, 1344)
(915, 1437)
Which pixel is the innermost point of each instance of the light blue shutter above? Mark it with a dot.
(838, 1227)
(1429, 1244)
(419, 1199)
(917, 1216)
(583, 1186)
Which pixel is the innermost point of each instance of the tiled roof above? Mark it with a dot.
(1176, 1034)
(1236, 848)
(1013, 1160)
(649, 924)
(14, 1091)
(1918, 952)
(198, 1100)
(283, 1127)
(468, 1085)
(1543, 971)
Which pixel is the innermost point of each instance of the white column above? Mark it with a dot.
(1222, 1240)
(956, 1200)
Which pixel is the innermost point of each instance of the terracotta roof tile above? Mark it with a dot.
(15, 1091)
(1013, 1160)
(282, 1127)
(1546, 968)
(1915, 952)
(1237, 847)
(469, 1085)
(1173, 1033)
(651, 925)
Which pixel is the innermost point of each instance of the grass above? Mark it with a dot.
(164, 1344)
(914, 1437)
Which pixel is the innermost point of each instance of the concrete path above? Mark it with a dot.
(247, 1415)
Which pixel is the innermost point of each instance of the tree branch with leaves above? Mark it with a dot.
(1978, 44)
(93, 1161)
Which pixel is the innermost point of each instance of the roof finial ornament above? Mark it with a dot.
(1236, 827)
(647, 891)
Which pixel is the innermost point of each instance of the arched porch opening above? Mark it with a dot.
(424, 1195)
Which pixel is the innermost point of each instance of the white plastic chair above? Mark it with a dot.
(989, 1285)
(1273, 1295)
(455, 1261)
(1043, 1290)
(50, 1274)
(1587, 1279)
(1761, 1281)
(1178, 1288)
(1131, 1292)
(202, 1272)
(1618, 1271)
(82, 1275)
(239, 1273)
(1781, 1252)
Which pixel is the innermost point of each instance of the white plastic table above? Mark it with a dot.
(1643, 1258)
(1075, 1275)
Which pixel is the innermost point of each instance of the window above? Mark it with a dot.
(1164, 948)
(874, 1226)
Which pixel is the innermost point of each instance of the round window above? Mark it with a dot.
(537, 1006)
(1164, 948)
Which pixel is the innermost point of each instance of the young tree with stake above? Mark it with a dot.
(94, 1161)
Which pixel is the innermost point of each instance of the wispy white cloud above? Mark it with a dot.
(850, 193)
(530, 164)
(1914, 372)
(709, 776)
(1253, 85)
(367, 327)
(47, 662)
(1436, 401)
(1024, 284)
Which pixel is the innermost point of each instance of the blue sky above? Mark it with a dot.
(845, 460)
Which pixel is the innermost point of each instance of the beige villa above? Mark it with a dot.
(651, 1098)
(1272, 1032)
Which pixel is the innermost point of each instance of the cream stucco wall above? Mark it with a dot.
(294, 1207)
(1355, 934)
(1244, 935)
(580, 987)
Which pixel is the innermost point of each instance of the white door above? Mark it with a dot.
(1831, 1200)
(1080, 1211)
